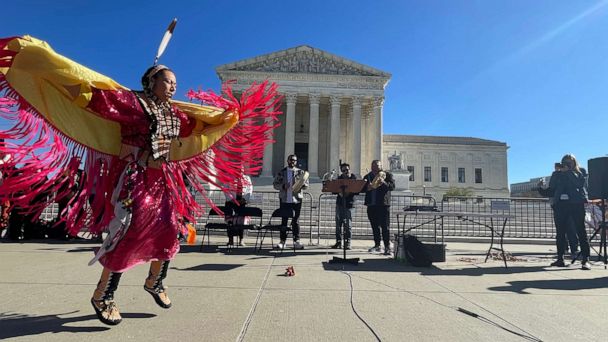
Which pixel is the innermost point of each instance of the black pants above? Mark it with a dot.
(379, 218)
(295, 226)
(570, 214)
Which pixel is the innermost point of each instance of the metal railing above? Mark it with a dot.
(533, 216)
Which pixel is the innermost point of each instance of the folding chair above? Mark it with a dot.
(272, 226)
(254, 213)
(215, 221)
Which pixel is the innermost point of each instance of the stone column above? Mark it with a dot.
(313, 135)
(267, 160)
(356, 135)
(377, 152)
(290, 124)
(334, 136)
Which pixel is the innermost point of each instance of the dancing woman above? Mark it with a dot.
(137, 148)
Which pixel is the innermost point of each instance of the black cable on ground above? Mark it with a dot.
(526, 335)
(352, 305)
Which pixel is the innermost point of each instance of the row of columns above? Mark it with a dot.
(335, 129)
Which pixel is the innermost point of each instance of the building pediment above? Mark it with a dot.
(305, 60)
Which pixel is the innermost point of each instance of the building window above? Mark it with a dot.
(444, 174)
(461, 177)
(478, 179)
(427, 174)
(410, 169)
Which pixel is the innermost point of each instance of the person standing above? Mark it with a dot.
(344, 211)
(380, 183)
(568, 189)
(291, 199)
(571, 240)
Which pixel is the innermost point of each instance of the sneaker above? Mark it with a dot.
(281, 245)
(585, 265)
(242, 244)
(337, 245)
(375, 249)
(298, 245)
(573, 257)
(387, 251)
(558, 263)
(348, 245)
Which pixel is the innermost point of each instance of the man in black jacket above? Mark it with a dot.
(378, 202)
(344, 211)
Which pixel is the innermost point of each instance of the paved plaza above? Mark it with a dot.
(244, 296)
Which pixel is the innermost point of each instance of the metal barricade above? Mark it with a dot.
(326, 214)
(533, 216)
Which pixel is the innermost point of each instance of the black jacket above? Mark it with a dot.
(567, 184)
(383, 192)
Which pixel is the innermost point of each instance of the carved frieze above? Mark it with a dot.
(308, 62)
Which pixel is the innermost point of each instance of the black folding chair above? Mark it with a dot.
(215, 221)
(254, 213)
(272, 226)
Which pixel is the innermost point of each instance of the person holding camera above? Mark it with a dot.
(568, 191)
(571, 240)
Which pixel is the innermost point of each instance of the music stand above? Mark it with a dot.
(343, 187)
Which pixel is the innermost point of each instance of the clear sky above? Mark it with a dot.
(532, 74)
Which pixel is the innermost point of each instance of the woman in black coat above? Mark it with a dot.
(568, 188)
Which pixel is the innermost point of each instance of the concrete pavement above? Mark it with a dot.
(243, 296)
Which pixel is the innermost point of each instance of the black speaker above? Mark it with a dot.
(598, 178)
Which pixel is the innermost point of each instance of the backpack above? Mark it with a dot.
(415, 252)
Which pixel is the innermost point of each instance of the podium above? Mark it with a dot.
(344, 187)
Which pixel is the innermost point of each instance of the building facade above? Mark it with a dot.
(332, 107)
(333, 111)
(436, 164)
(529, 188)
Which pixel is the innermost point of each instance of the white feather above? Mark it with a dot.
(165, 41)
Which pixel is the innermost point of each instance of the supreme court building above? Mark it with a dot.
(332, 108)
(333, 111)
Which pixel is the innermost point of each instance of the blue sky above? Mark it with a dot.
(532, 74)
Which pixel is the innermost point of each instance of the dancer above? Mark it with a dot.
(146, 141)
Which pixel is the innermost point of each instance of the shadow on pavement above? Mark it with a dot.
(18, 325)
(210, 267)
(520, 286)
(390, 265)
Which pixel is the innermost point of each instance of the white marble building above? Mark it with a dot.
(332, 106)
(333, 111)
(438, 163)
